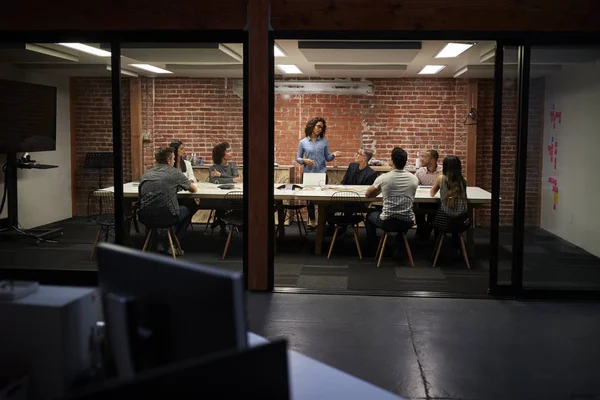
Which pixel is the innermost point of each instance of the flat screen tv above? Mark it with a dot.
(27, 117)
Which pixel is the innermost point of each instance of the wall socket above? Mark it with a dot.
(146, 137)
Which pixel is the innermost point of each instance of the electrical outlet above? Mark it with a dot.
(146, 137)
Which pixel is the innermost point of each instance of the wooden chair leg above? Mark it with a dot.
(176, 241)
(171, 244)
(385, 235)
(96, 243)
(437, 252)
(147, 242)
(356, 241)
(408, 252)
(332, 241)
(227, 243)
(464, 250)
(379, 246)
(437, 242)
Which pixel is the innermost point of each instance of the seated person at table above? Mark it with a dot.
(359, 172)
(186, 169)
(428, 173)
(163, 178)
(223, 170)
(397, 182)
(452, 214)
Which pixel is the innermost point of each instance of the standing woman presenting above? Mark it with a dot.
(313, 153)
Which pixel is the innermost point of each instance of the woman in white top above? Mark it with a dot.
(186, 169)
(184, 165)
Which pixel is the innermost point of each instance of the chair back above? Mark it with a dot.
(399, 207)
(347, 202)
(454, 206)
(234, 204)
(101, 207)
(157, 209)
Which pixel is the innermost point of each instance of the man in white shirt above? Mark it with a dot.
(393, 216)
(428, 173)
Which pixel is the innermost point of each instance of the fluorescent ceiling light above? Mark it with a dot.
(151, 68)
(124, 72)
(50, 52)
(87, 49)
(289, 68)
(278, 52)
(431, 69)
(452, 50)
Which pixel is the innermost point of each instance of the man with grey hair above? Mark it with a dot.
(359, 172)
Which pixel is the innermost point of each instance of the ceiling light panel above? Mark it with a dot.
(431, 69)
(289, 68)
(151, 68)
(86, 49)
(452, 50)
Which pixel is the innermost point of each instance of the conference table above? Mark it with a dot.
(321, 197)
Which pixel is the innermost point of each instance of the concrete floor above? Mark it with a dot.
(427, 348)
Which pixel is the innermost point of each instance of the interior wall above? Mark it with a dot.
(44, 196)
(575, 93)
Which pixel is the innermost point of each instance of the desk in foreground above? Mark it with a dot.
(312, 380)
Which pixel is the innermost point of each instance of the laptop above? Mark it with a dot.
(314, 179)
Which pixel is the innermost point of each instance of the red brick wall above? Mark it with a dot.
(93, 124)
(414, 113)
(199, 112)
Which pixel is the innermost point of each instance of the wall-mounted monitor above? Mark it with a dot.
(27, 117)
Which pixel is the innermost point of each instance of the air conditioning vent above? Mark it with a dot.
(362, 88)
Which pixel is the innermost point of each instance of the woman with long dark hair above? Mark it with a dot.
(186, 169)
(313, 153)
(453, 214)
(180, 163)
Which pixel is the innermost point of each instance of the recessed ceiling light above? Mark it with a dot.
(431, 69)
(452, 50)
(278, 52)
(87, 49)
(151, 68)
(124, 72)
(289, 68)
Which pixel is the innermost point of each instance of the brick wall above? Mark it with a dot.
(199, 112)
(93, 125)
(415, 114)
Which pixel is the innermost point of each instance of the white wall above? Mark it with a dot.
(575, 92)
(45, 195)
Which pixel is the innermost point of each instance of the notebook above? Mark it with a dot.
(314, 179)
